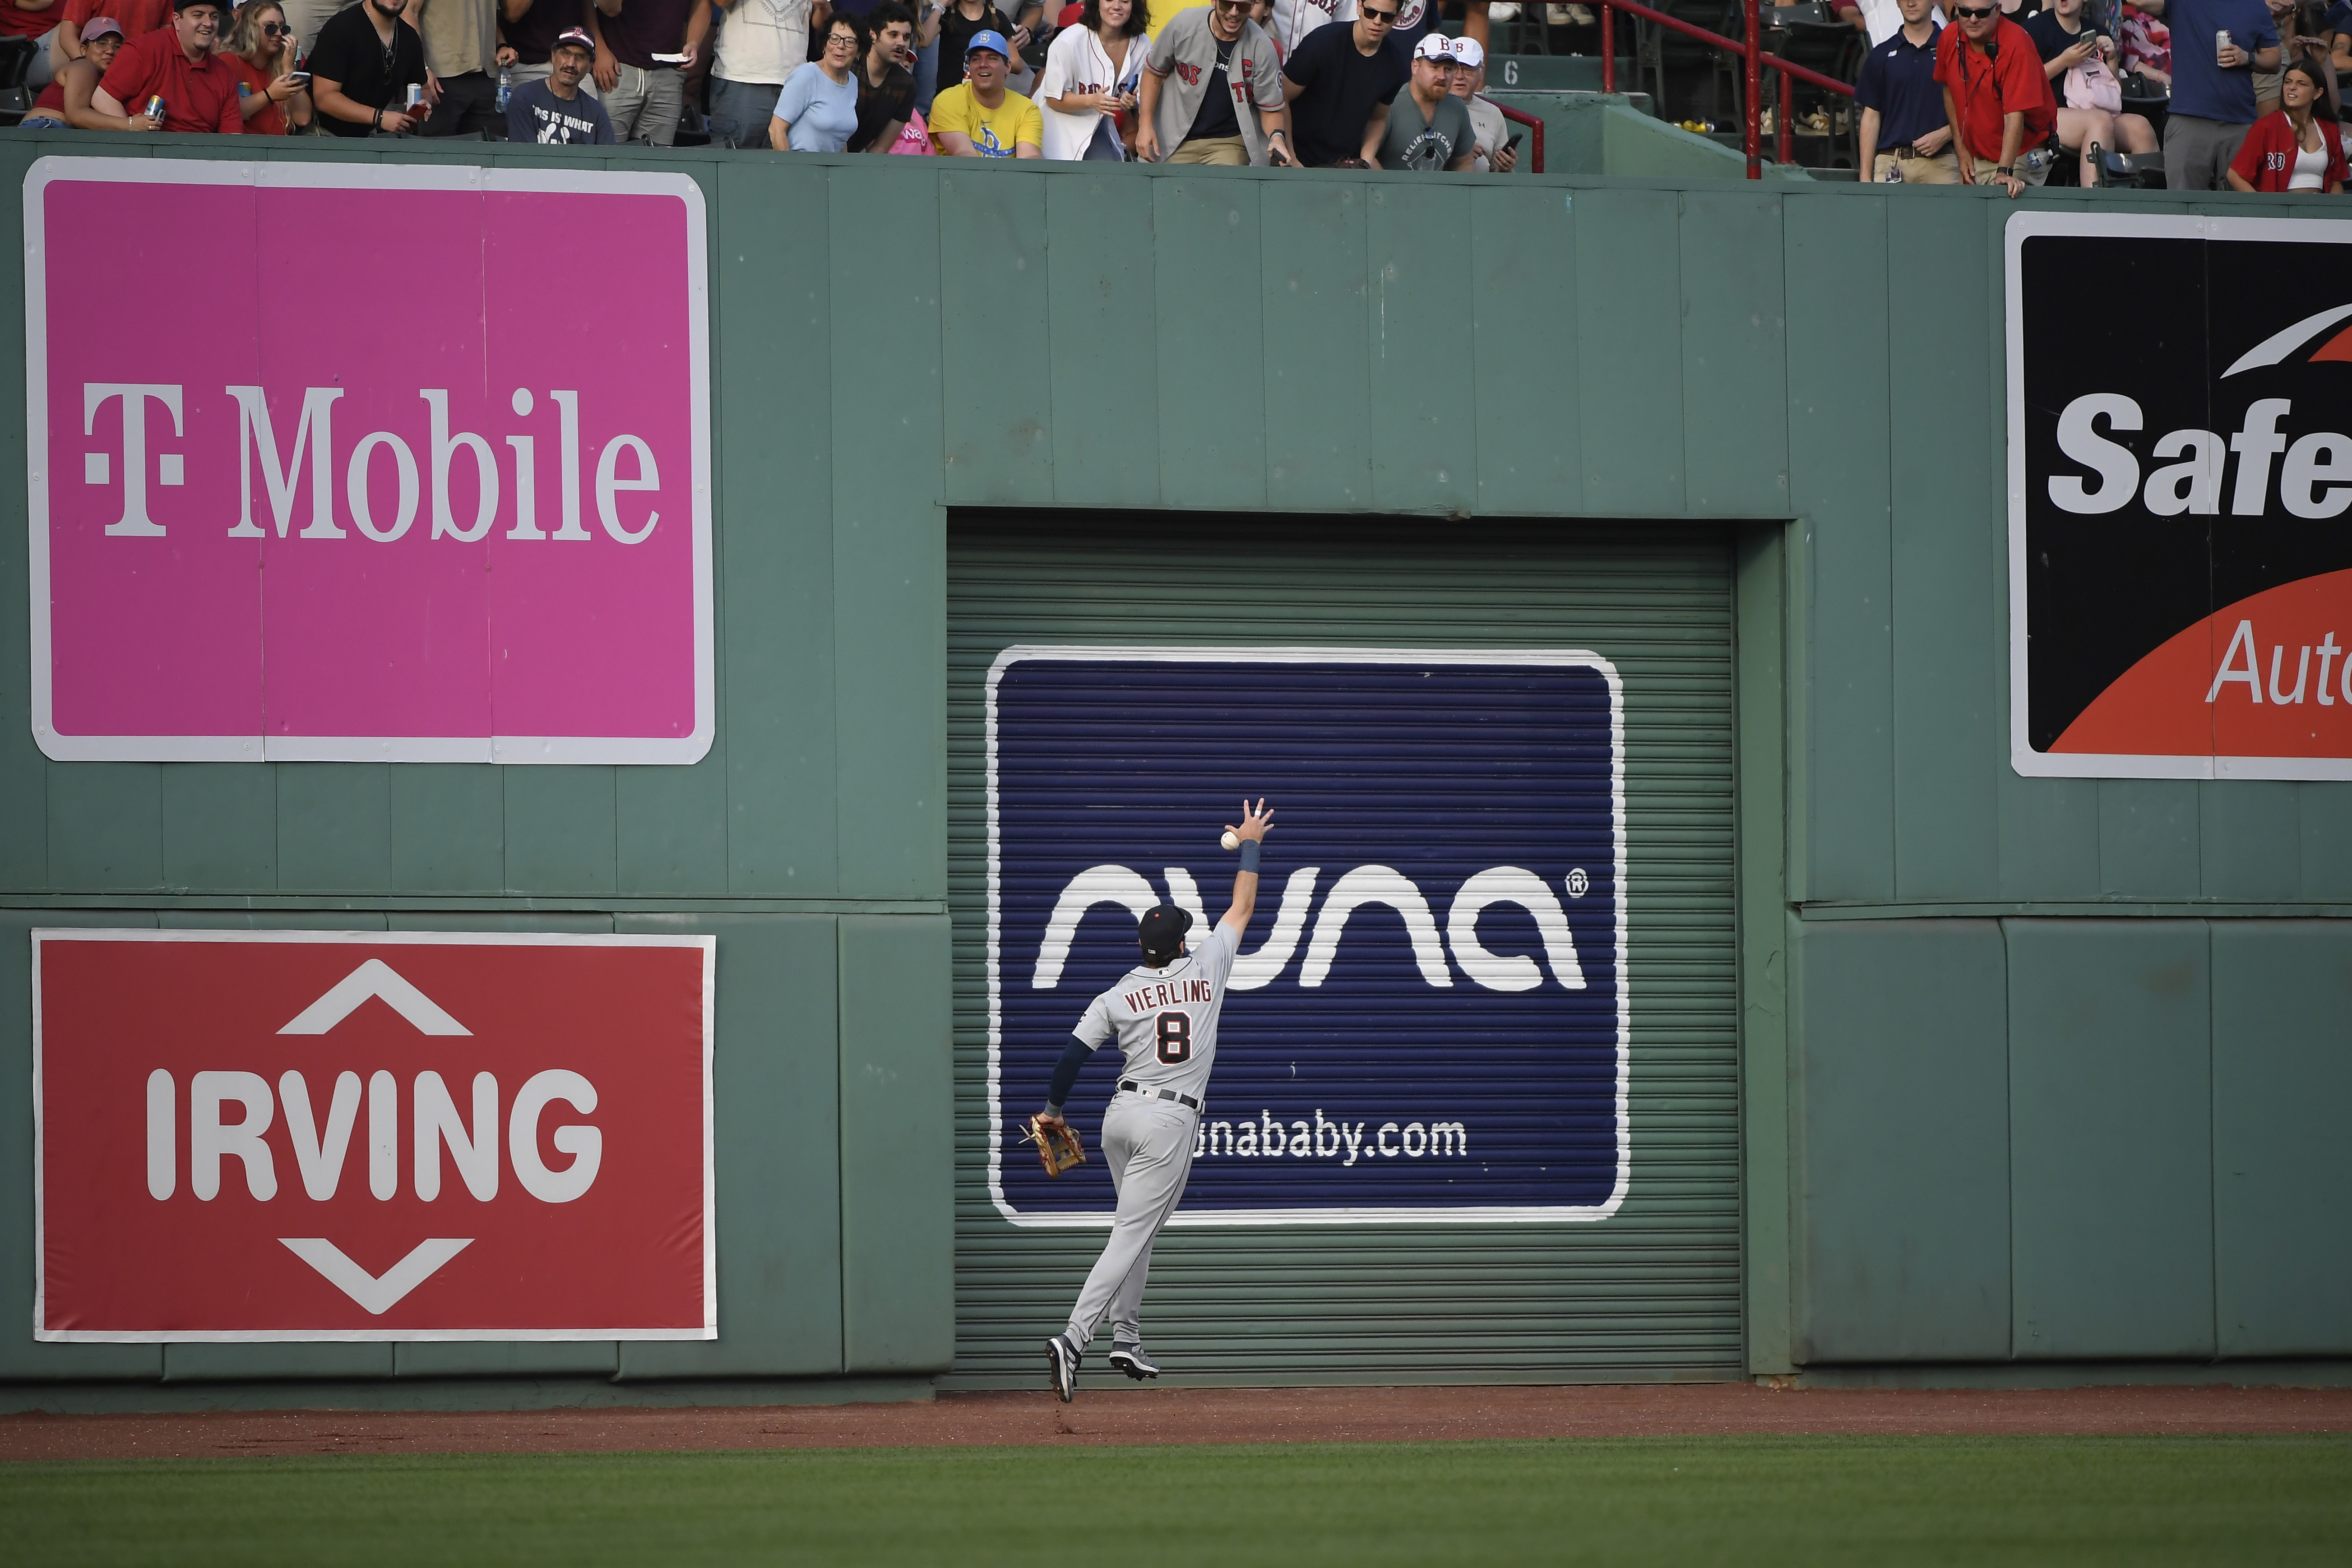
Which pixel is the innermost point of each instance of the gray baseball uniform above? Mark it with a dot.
(1165, 1021)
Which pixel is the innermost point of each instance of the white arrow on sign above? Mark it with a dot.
(376, 1294)
(374, 978)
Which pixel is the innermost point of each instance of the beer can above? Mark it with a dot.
(2220, 44)
(155, 109)
(415, 97)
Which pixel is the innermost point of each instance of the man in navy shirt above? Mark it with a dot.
(2212, 85)
(1905, 137)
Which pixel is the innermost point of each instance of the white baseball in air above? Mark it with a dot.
(1232, 840)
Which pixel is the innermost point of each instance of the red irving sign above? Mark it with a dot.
(347, 1135)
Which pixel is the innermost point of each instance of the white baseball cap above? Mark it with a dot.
(1433, 47)
(1467, 52)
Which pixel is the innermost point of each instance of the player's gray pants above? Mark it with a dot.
(1149, 1143)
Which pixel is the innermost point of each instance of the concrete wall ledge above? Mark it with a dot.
(455, 1393)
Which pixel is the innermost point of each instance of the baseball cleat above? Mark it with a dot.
(1130, 1360)
(1062, 1364)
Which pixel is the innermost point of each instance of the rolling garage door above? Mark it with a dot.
(1474, 1114)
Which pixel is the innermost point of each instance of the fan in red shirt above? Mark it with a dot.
(1995, 94)
(17, 21)
(2293, 150)
(178, 66)
(132, 18)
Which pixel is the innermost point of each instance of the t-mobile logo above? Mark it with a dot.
(171, 467)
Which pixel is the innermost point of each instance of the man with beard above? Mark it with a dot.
(362, 67)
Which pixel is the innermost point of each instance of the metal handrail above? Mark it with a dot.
(1755, 58)
(1534, 122)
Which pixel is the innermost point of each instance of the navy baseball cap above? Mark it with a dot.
(988, 39)
(1163, 930)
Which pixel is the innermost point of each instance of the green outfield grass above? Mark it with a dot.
(2270, 1502)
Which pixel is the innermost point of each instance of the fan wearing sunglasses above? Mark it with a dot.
(1211, 91)
(1335, 78)
(1998, 101)
(276, 98)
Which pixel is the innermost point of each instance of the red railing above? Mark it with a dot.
(1535, 125)
(1751, 51)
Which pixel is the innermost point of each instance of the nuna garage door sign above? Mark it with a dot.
(1428, 1018)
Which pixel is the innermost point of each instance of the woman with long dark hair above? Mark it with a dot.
(2294, 150)
(1089, 87)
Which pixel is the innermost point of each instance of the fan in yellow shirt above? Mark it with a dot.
(978, 117)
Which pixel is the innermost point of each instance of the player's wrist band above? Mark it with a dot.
(1249, 854)
(1053, 1113)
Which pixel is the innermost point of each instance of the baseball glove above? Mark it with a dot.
(1058, 1148)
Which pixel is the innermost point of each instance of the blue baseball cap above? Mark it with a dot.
(988, 39)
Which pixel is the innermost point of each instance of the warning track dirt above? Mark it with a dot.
(1197, 1415)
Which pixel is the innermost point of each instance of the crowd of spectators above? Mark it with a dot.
(1983, 91)
(1271, 83)
(2000, 94)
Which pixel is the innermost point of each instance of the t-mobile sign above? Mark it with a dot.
(368, 1135)
(414, 466)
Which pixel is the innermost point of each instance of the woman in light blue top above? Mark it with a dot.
(817, 110)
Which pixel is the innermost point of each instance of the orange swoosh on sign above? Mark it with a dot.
(2158, 708)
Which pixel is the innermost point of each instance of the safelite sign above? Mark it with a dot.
(331, 1135)
(2180, 486)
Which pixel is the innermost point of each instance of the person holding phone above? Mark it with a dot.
(1496, 147)
(273, 96)
(2081, 64)
(1092, 73)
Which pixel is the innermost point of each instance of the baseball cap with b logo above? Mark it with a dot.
(1468, 52)
(1434, 46)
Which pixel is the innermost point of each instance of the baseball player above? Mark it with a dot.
(1164, 1015)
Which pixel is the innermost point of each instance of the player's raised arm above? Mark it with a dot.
(1251, 834)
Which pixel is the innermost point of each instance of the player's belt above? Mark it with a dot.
(1127, 1086)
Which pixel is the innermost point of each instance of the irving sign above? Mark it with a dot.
(364, 1135)
(2180, 497)
(415, 469)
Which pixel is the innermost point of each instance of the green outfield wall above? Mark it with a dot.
(2033, 1079)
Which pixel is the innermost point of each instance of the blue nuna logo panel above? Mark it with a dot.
(1429, 1018)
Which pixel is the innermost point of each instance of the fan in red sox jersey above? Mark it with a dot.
(1164, 1013)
